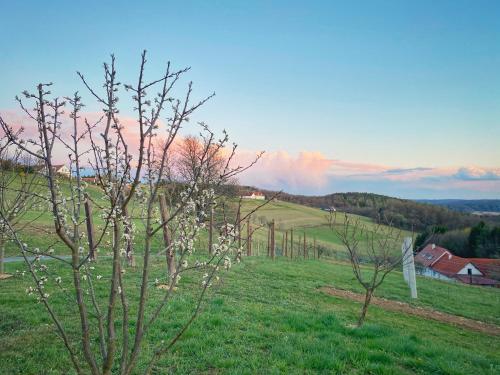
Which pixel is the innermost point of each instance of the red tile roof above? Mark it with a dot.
(489, 267)
(443, 261)
(430, 254)
(449, 265)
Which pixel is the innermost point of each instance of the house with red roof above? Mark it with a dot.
(438, 262)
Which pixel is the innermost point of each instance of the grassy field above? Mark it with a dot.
(311, 221)
(267, 316)
(270, 317)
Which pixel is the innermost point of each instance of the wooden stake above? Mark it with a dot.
(291, 243)
(211, 230)
(268, 240)
(129, 251)
(283, 244)
(249, 237)
(167, 241)
(90, 228)
(305, 249)
(273, 245)
(238, 225)
(286, 243)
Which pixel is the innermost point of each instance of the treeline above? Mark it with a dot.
(17, 166)
(467, 205)
(402, 213)
(479, 241)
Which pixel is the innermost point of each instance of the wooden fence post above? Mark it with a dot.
(305, 248)
(90, 228)
(129, 251)
(268, 240)
(286, 244)
(211, 230)
(282, 244)
(273, 245)
(291, 243)
(167, 240)
(249, 237)
(238, 225)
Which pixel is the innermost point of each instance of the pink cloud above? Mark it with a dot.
(307, 169)
(311, 171)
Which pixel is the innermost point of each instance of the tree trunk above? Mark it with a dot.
(368, 298)
(170, 253)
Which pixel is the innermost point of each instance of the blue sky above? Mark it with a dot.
(384, 84)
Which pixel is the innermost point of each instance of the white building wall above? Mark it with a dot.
(429, 272)
(474, 270)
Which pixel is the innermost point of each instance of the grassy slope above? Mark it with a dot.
(302, 219)
(312, 221)
(268, 317)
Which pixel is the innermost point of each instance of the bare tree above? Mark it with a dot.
(199, 156)
(374, 252)
(130, 181)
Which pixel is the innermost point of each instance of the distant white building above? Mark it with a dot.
(254, 195)
(61, 169)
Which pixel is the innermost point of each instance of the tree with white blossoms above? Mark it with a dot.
(130, 182)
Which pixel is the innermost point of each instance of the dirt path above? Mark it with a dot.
(386, 304)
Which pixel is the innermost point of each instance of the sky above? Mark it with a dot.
(392, 97)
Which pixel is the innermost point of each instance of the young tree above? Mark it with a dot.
(130, 180)
(373, 253)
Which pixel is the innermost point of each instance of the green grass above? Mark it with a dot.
(269, 317)
(266, 317)
(312, 222)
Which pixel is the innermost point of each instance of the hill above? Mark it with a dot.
(467, 205)
(304, 220)
(403, 213)
(271, 316)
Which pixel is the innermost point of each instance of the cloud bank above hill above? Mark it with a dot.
(314, 173)
(311, 172)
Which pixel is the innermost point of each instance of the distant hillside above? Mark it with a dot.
(403, 213)
(465, 205)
